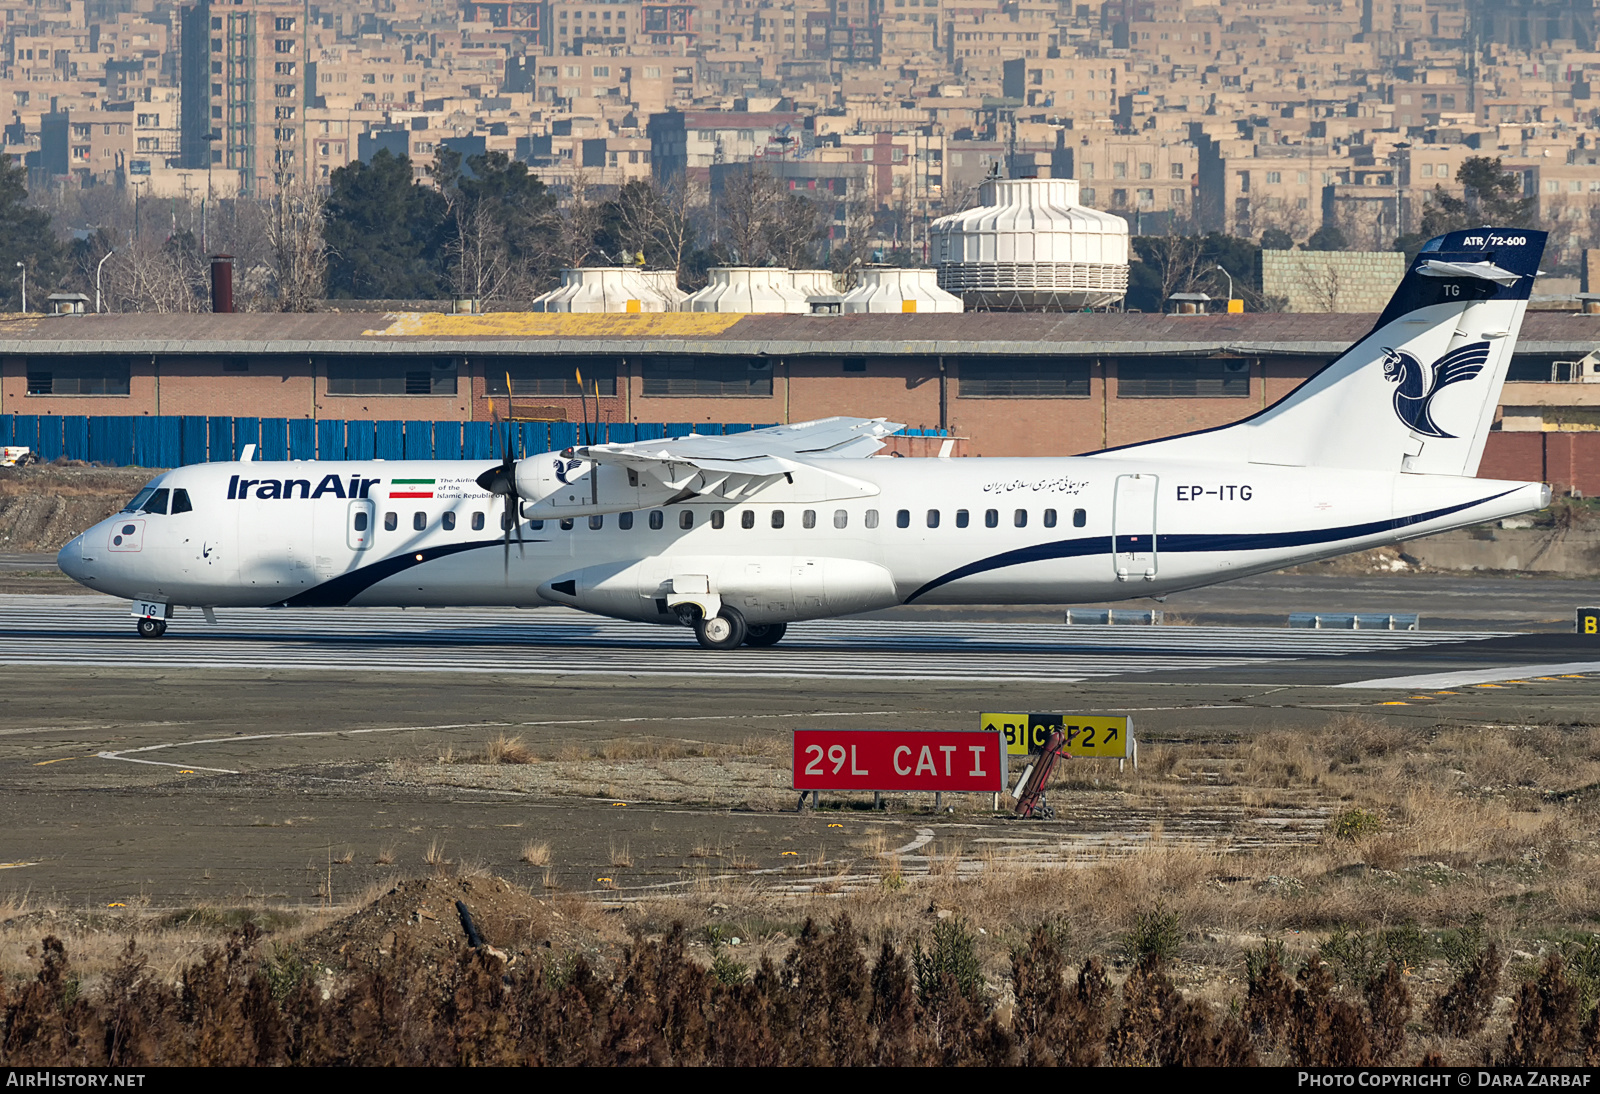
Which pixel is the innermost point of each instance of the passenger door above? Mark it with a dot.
(1133, 528)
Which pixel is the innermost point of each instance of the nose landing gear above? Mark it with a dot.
(152, 628)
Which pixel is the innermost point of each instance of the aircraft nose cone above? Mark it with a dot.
(70, 560)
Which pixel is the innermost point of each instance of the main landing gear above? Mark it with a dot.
(152, 628)
(727, 630)
(765, 634)
(724, 631)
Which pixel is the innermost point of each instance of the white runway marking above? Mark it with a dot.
(97, 632)
(1468, 677)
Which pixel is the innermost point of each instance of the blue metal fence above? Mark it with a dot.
(172, 440)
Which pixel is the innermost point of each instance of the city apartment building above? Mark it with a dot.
(243, 88)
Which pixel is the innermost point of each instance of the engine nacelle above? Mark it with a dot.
(766, 590)
(553, 485)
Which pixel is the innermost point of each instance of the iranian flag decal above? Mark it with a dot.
(411, 488)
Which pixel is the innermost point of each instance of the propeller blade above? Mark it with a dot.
(502, 480)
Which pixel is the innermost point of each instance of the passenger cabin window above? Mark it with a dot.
(419, 520)
(840, 518)
(625, 521)
(777, 518)
(477, 522)
(991, 518)
(747, 519)
(717, 518)
(686, 519)
(566, 524)
(536, 525)
(1020, 518)
(180, 502)
(933, 518)
(658, 519)
(963, 518)
(157, 502)
(448, 521)
(871, 518)
(596, 523)
(1080, 517)
(902, 519)
(808, 519)
(1049, 518)
(391, 521)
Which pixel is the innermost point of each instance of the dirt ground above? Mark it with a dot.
(44, 505)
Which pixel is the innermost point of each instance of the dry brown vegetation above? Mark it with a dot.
(1362, 894)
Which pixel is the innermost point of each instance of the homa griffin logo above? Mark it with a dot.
(331, 486)
(565, 468)
(1419, 383)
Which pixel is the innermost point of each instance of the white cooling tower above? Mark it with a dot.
(748, 289)
(665, 283)
(1032, 247)
(814, 282)
(899, 291)
(603, 289)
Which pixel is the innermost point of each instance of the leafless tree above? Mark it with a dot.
(479, 267)
(576, 224)
(958, 197)
(155, 276)
(293, 226)
(664, 223)
(792, 237)
(1319, 286)
(752, 202)
(1177, 263)
(850, 253)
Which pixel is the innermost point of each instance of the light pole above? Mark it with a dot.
(102, 262)
(1229, 276)
(24, 270)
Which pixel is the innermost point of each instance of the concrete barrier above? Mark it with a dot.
(1355, 621)
(1118, 617)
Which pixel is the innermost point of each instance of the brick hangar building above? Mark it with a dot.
(1010, 384)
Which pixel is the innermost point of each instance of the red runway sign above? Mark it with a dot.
(898, 760)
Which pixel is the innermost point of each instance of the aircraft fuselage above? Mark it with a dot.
(945, 531)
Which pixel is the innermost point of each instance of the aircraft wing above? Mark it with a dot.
(826, 437)
(737, 465)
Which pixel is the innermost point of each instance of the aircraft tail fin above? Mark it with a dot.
(1418, 393)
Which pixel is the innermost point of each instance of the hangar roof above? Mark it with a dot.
(999, 333)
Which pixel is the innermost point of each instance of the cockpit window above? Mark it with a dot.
(180, 502)
(138, 500)
(157, 502)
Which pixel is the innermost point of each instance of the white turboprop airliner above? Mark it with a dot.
(739, 536)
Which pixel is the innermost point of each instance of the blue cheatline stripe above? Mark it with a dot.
(339, 591)
(1168, 543)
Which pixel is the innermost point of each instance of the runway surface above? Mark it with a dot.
(93, 631)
